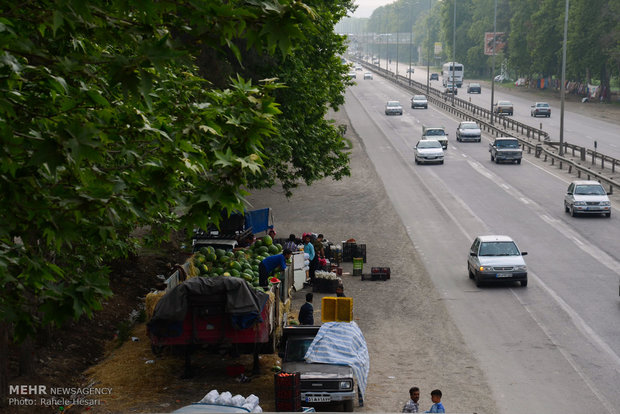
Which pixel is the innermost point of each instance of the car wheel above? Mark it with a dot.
(518, 161)
(471, 275)
(479, 139)
(566, 209)
(549, 116)
(572, 211)
(524, 283)
(608, 214)
(496, 160)
(347, 406)
(416, 161)
(478, 281)
(441, 162)
(492, 158)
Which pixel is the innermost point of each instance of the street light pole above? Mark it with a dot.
(453, 51)
(493, 59)
(428, 50)
(410, 39)
(562, 87)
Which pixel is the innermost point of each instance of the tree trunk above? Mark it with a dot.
(606, 93)
(4, 364)
(26, 357)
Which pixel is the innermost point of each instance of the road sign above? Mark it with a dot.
(500, 42)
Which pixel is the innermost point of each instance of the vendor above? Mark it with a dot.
(271, 263)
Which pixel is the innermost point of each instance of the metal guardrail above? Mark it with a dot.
(472, 112)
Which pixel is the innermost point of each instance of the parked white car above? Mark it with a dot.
(586, 197)
(428, 150)
(368, 75)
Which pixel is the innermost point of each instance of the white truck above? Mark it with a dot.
(452, 72)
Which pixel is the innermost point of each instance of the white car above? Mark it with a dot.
(587, 197)
(496, 259)
(419, 101)
(393, 108)
(468, 131)
(428, 150)
(368, 75)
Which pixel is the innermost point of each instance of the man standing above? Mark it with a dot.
(412, 405)
(271, 263)
(306, 313)
(309, 249)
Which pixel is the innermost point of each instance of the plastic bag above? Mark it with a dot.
(251, 402)
(238, 400)
(257, 409)
(225, 398)
(211, 397)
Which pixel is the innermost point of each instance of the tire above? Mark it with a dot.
(566, 209)
(478, 281)
(572, 211)
(524, 283)
(441, 162)
(347, 406)
(608, 215)
(496, 160)
(471, 275)
(518, 161)
(416, 161)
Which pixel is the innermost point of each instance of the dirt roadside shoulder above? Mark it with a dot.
(411, 338)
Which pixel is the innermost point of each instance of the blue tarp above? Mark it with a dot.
(258, 220)
(342, 343)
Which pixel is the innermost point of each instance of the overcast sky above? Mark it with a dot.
(366, 7)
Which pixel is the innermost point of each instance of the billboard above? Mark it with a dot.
(500, 42)
(438, 48)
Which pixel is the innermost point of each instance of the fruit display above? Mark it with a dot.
(210, 262)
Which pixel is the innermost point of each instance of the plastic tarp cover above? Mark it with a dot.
(342, 343)
(243, 303)
(258, 220)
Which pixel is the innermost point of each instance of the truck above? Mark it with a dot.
(233, 229)
(438, 133)
(505, 149)
(320, 382)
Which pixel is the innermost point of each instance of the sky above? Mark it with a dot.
(366, 7)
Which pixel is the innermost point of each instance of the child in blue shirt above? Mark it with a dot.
(437, 406)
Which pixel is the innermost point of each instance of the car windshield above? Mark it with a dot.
(507, 144)
(429, 144)
(469, 126)
(589, 190)
(393, 103)
(498, 249)
(542, 105)
(296, 349)
(419, 97)
(504, 103)
(434, 132)
(474, 85)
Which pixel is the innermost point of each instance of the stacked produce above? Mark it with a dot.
(242, 263)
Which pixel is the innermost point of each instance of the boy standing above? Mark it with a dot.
(412, 405)
(437, 406)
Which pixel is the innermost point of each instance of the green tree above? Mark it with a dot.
(106, 125)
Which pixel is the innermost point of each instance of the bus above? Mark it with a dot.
(450, 69)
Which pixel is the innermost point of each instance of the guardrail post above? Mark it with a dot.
(611, 189)
(583, 154)
(538, 150)
(613, 166)
(602, 161)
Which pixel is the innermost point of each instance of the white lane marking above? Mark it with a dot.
(583, 328)
(524, 200)
(579, 242)
(505, 186)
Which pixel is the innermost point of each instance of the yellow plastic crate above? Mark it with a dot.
(334, 309)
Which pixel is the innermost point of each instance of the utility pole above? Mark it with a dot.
(453, 52)
(493, 59)
(428, 51)
(562, 87)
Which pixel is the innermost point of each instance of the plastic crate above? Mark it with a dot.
(378, 273)
(352, 250)
(287, 391)
(334, 309)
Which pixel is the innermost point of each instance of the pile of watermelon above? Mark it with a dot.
(244, 263)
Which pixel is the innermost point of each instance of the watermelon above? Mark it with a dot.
(273, 249)
(247, 277)
(204, 269)
(234, 272)
(267, 240)
(279, 246)
(257, 244)
(263, 250)
(211, 257)
(220, 252)
(226, 274)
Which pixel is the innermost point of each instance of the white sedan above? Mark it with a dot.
(428, 150)
(368, 75)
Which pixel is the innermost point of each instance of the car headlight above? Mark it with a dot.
(345, 385)
(521, 268)
(483, 268)
(605, 203)
(580, 203)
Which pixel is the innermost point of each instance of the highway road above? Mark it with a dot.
(579, 128)
(552, 347)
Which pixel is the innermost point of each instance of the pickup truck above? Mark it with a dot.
(438, 133)
(320, 383)
(505, 149)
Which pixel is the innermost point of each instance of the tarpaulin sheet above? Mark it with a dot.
(342, 343)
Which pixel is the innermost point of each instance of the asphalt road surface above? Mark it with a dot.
(552, 347)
